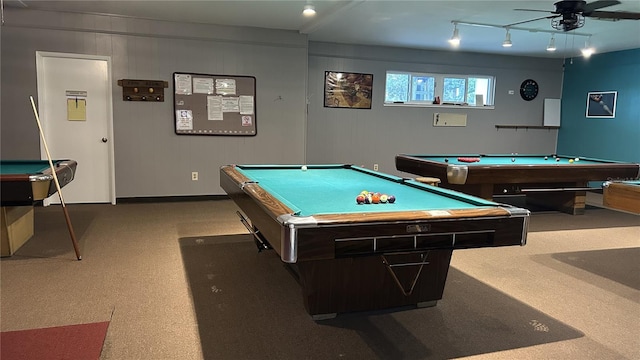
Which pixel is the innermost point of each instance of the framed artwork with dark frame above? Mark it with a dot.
(347, 90)
(601, 104)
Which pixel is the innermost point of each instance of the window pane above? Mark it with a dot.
(453, 90)
(397, 87)
(422, 88)
(479, 86)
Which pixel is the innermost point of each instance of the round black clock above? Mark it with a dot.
(529, 90)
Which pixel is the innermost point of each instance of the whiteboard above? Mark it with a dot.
(551, 112)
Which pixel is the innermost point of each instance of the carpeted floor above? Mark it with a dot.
(259, 305)
(183, 280)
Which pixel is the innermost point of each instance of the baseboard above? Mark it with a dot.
(155, 199)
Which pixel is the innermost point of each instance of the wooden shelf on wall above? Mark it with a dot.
(526, 127)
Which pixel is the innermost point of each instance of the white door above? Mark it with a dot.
(88, 141)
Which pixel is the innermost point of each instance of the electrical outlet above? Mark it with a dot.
(194, 176)
(375, 167)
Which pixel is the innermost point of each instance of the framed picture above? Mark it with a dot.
(601, 104)
(347, 90)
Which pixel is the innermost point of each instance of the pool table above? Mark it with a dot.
(553, 181)
(24, 182)
(622, 195)
(361, 257)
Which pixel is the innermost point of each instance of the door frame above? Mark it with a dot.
(40, 56)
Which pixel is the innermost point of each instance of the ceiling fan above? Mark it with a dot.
(570, 14)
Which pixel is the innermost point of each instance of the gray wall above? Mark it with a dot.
(365, 137)
(148, 154)
(292, 125)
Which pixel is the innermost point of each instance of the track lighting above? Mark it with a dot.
(552, 44)
(309, 10)
(455, 39)
(507, 40)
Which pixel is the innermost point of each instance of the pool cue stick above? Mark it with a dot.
(55, 179)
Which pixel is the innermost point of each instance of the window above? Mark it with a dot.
(423, 89)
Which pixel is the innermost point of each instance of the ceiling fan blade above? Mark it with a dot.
(614, 15)
(599, 4)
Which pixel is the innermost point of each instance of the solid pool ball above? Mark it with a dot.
(360, 199)
(513, 159)
(446, 160)
(375, 198)
(391, 199)
(304, 167)
(570, 161)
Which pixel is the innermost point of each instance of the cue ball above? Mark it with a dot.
(557, 159)
(545, 158)
(577, 159)
(304, 168)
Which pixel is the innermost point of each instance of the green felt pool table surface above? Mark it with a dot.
(333, 189)
(31, 167)
(514, 159)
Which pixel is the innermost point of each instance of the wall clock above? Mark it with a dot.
(528, 89)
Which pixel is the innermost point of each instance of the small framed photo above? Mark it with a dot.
(347, 90)
(601, 104)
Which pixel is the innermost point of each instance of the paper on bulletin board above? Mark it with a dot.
(77, 109)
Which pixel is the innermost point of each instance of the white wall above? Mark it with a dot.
(367, 137)
(150, 159)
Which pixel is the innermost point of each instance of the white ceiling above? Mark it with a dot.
(420, 24)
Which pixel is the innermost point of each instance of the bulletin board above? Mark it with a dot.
(214, 104)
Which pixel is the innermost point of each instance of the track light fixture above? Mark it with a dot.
(552, 43)
(455, 39)
(309, 10)
(587, 51)
(507, 40)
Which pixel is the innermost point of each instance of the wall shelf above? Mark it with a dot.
(527, 127)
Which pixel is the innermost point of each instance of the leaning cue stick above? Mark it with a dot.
(55, 179)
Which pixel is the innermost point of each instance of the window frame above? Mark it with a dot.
(489, 101)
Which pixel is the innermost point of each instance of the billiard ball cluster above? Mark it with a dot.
(367, 197)
(571, 161)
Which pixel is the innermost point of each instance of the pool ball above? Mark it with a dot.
(375, 198)
(513, 159)
(304, 167)
(360, 199)
(391, 199)
(383, 198)
(446, 160)
(545, 158)
(577, 159)
(570, 161)
(558, 159)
